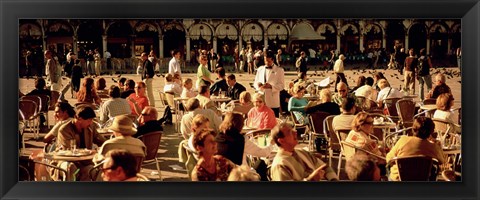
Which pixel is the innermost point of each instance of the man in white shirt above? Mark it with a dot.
(174, 64)
(386, 92)
(367, 90)
(114, 106)
(270, 80)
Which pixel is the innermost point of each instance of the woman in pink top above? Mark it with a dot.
(261, 116)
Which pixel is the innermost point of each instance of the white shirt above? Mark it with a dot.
(394, 93)
(107, 54)
(174, 67)
(276, 78)
(338, 67)
(366, 91)
(172, 87)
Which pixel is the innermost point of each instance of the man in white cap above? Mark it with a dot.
(123, 130)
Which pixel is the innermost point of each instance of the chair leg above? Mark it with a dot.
(158, 169)
(339, 164)
(330, 155)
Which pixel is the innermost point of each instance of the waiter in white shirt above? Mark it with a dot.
(174, 64)
(270, 81)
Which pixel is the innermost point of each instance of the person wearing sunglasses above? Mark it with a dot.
(342, 94)
(138, 101)
(362, 127)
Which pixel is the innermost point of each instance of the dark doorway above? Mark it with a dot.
(417, 38)
(174, 39)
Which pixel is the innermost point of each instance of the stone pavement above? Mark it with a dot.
(172, 170)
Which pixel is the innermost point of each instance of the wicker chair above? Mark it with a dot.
(152, 142)
(416, 168)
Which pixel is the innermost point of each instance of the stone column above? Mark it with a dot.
(44, 43)
(338, 43)
(428, 44)
(362, 48)
(215, 44)
(75, 45)
(160, 44)
(265, 40)
(188, 48)
(406, 43)
(132, 46)
(384, 42)
(240, 43)
(449, 46)
(104, 44)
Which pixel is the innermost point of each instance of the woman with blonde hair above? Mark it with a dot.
(297, 103)
(203, 75)
(362, 127)
(87, 92)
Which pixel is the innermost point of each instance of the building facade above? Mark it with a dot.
(128, 38)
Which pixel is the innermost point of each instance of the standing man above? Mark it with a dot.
(98, 63)
(338, 68)
(234, 88)
(278, 57)
(90, 61)
(423, 75)
(459, 56)
(28, 64)
(212, 60)
(52, 72)
(147, 77)
(71, 58)
(270, 80)
(400, 59)
(301, 64)
(409, 70)
(174, 64)
(108, 56)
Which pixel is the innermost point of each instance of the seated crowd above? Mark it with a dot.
(222, 148)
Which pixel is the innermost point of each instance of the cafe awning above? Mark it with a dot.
(303, 31)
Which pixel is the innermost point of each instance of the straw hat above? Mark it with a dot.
(123, 124)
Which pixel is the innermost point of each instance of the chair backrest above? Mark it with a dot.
(55, 95)
(342, 134)
(391, 139)
(443, 128)
(170, 101)
(390, 104)
(406, 111)
(416, 168)
(141, 177)
(152, 142)
(329, 133)
(259, 137)
(28, 108)
(316, 121)
(35, 99)
(429, 101)
(356, 149)
(45, 100)
(163, 98)
(85, 104)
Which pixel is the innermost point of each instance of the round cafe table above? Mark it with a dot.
(67, 156)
